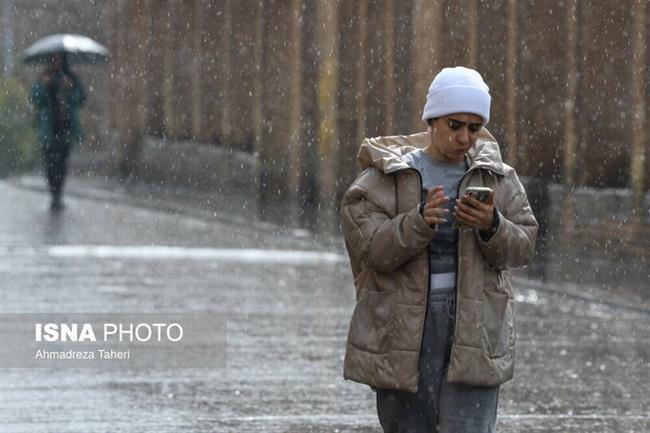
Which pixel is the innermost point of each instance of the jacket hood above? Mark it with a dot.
(385, 153)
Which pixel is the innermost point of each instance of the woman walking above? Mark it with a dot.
(57, 96)
(433, 328)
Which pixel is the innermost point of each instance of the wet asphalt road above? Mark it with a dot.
(583, 366)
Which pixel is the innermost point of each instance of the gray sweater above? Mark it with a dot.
(444, 245)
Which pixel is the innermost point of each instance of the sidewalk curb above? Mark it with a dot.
(170, 199)
(587, 293)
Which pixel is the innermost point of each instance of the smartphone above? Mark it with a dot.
(479, 193)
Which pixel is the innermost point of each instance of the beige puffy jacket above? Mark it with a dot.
(387, 241)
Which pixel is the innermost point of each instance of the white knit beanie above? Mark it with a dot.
(457, 90)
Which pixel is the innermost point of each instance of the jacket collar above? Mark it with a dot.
(385, 153)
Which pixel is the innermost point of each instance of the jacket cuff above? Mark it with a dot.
(420, 225)
(486, 235)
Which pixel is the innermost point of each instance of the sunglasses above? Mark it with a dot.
(455, 125)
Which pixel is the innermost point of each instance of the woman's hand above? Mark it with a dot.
(471, 213)
(432, 212)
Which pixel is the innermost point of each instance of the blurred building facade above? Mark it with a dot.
(297, 84)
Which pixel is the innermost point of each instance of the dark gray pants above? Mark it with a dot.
(55, 159)
(438, 406)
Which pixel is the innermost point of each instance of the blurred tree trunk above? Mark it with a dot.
(639, 120)
(197, 23)
(132, 81)
(182, 83)
(570, 140)
(167, 40)
(348, 96)
(310, 154)
(226, 76)
(426, 57)
(276, 133)
(212, 80)
(295, 165)
(511, 83)
(326, 13)
(583, 23)
(403, 47)
(389, 67)
(156, 57)
(242, 75)
(472, 33)
(361, 75)
(112, 18)
(258, 90)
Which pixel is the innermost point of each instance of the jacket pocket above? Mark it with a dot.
(498, 322)
(371, 323)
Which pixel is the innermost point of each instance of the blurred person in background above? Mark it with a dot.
(57, 96)
(432, 331)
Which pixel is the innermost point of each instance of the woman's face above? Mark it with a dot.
(453, 135)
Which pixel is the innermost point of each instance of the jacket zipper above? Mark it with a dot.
(426, 298)
(455, 336)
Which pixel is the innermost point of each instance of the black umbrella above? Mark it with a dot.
(78, 49)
